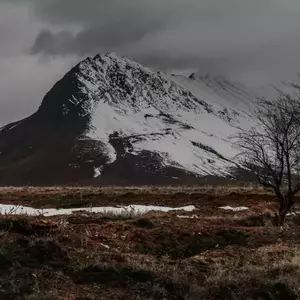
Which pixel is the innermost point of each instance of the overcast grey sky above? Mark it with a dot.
(256, 41)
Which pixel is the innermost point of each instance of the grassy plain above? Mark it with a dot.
(209, 253)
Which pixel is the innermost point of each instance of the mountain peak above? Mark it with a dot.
(112, 114)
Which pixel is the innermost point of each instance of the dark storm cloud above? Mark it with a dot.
(24, 78)
(102, 37)
(173, 33)
(256, 41)
(117, 23)
(173, 28)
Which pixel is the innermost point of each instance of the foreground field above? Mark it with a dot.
(209, 253)
(64, 197)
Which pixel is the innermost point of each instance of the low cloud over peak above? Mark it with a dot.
(255, 41)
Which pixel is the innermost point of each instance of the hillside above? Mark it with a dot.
(110, 120)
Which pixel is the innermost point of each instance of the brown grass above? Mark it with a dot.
(67, 197)
(214, 190)
(217, 255)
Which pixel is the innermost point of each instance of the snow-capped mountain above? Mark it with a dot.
(111, 120)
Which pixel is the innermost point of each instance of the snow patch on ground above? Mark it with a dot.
(188, 217)
(295, 213)
(132, 209)
(241, 208)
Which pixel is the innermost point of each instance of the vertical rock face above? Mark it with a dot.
(110, 120)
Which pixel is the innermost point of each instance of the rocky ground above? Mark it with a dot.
(210, 253)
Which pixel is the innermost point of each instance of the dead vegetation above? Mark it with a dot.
(74, 197)
(270, 149)
(214, 254)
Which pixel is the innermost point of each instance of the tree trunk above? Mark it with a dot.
(281, 219)
(284, 209)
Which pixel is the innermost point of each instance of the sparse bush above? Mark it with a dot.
(144, 223)
(41, 296)
(17, 224)
(47, 250)
(257, 220)
(277, 281)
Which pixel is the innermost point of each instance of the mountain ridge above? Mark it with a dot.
(110, 120)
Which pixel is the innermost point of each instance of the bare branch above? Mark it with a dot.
(271, 149)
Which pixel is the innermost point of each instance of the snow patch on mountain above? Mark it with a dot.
(98, 172)
(187, 121)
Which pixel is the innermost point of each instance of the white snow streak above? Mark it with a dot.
(134, 209)
(207, 117)
(98, 172)
(242, 208)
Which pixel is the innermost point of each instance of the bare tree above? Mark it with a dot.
(272, 149)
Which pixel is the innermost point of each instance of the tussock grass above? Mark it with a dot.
(242, 280)
(246, 188)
